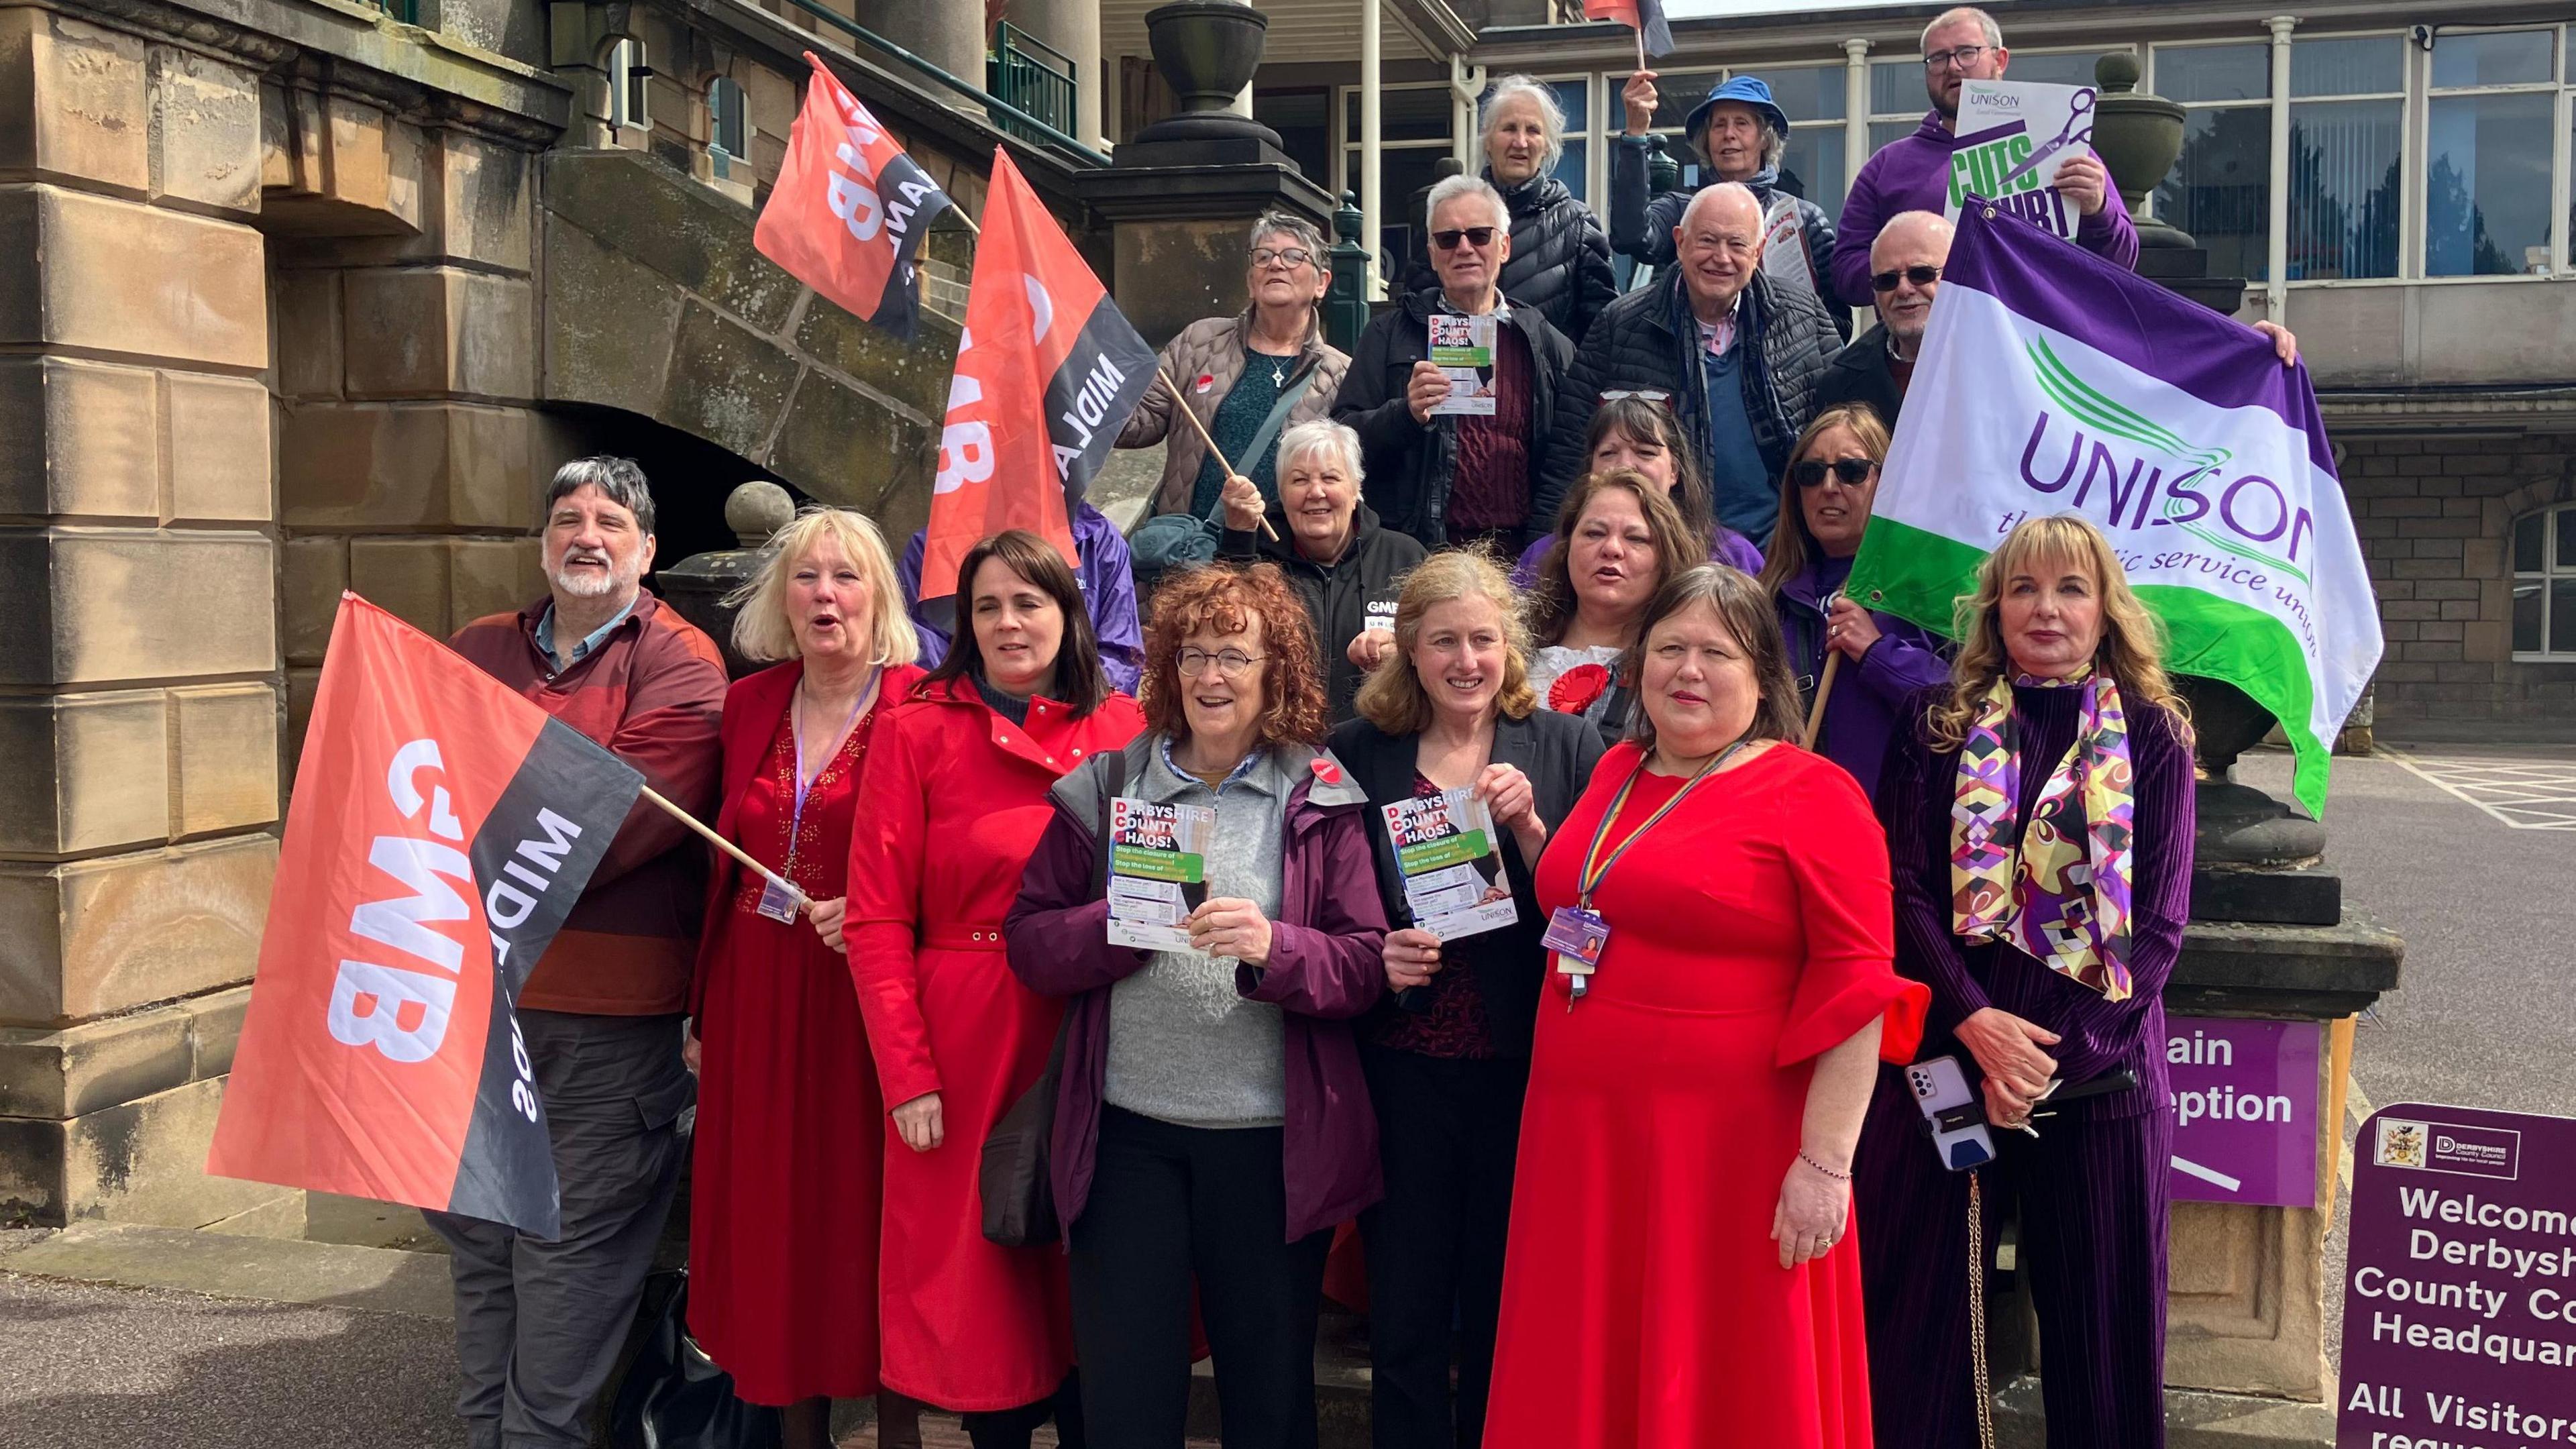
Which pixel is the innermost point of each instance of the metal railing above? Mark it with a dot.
(1032, 129)
(1026, 72)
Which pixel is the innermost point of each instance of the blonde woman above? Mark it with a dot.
(2039, 817)
(1447, 1054)
(783, 1223)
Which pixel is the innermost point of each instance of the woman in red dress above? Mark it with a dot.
(1680, 1270)
(952, 806)
(783, 1224)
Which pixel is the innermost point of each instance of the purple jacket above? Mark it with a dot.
(1869, 702)
(1108, 585)
(1325, 968)
(1729, 547)
(1913, 174)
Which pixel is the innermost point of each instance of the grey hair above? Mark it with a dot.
(1986, 26)
(1319, 435)
(1450, 188)
(1775, 144)
(621, 480)
(1272, 223)
(1551, 117)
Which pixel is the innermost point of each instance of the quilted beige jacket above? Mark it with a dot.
(1213, 349)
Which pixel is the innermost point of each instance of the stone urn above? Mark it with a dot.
(2139, 136)
(699, 585)
(1206, 51)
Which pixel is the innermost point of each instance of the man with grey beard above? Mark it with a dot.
(539, 1324)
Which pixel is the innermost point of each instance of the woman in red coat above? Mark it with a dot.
(952, 806)
(1680, 1270)
(783, 1224)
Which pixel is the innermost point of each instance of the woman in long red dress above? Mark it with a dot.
(783, 1225)
(1681, 1270)
(952, 806)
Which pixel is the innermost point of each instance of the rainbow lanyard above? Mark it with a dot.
(1594, 867)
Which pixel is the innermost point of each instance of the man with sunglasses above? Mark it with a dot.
(1448, 478)
(1913, 173)
(1905, 270)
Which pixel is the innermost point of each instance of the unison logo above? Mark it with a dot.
(2113, 448)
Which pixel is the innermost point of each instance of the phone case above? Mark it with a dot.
(1952, 1113)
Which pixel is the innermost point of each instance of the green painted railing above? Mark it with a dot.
(1026, 72)
(1035, 130)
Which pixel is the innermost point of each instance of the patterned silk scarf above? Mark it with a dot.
(2060, 891)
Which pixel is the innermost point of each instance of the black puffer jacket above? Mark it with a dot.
(1643, 228)
(1408, 465)
(1646, 342)
(1560, 261)
(1339, 594)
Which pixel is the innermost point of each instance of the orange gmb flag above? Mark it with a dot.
(1047, 372)
(441, 828)
(848, 212)
(1646, 17)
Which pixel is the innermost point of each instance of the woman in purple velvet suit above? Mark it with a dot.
(2039, 820)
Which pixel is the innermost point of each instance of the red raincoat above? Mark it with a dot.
(953, 802)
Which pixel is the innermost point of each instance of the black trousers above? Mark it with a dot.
(1448, 1133)
(539, 1324)
(1167, 1203)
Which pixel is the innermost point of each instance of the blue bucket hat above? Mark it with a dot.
(1743, 90)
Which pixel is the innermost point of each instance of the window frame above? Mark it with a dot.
(718, 91)
(2419, 138)
(2552, 570)
(2151, 59)
(630, 75)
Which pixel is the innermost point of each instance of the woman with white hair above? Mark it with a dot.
(1246, 377)
(1340, 561)
(1560, 262)
(783, 1226)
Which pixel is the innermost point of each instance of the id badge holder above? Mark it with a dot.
(1578, 936)
(779, 903)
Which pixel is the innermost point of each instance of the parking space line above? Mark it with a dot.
(2522, 795)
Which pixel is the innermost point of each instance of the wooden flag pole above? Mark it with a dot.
(1182, 405)
(720, 843)
(1824, 691)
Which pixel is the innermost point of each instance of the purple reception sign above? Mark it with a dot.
(2459, 1299)
(2245, 1110)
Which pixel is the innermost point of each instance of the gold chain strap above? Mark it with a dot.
(1980, 1382)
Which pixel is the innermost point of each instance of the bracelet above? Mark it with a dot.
(1820, 1167)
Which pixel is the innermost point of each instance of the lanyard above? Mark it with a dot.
(1594, 867)
(804, 787)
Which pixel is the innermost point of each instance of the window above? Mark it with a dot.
(2490, 115)
(1677, 94)
(2220, 190)
(728, 123)
(1413, 139)
(628, 76)
(2347, 111)
(2544, 584)
(2056, 68)
(1897, 100)
(1812, 97)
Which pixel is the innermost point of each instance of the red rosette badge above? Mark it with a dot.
(1579, 688)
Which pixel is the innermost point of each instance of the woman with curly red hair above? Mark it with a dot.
(1211, 1119)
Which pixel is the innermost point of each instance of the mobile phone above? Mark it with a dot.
(1953, 1114)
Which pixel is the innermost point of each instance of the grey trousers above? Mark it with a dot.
(539, 1324)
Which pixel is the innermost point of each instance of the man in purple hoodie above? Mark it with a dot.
(1913, 174)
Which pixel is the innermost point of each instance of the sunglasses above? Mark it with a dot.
(1919, 276)
(1476, 236)
(1643, 394)
(1852, 471)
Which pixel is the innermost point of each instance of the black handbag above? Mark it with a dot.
(1014, 1173)
(674, 1396)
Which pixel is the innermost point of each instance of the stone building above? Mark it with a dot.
(309, 295)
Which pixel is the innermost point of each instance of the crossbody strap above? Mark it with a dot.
(1270, 426)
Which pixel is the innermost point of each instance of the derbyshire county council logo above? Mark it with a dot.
(2401, 1143)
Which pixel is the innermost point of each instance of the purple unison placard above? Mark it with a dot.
(2459, 1299)
(2245, 1098)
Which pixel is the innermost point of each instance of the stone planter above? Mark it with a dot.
(1207, 51)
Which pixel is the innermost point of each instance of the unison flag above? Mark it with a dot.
(848, 212)
(441, 827)
(1646, 17)
(1047, 372)
(2053, 382)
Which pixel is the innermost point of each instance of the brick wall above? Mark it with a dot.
(2435, 514)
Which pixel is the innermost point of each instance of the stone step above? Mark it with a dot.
(223, 1265)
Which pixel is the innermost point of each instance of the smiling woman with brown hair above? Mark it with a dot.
(1211, 1121)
